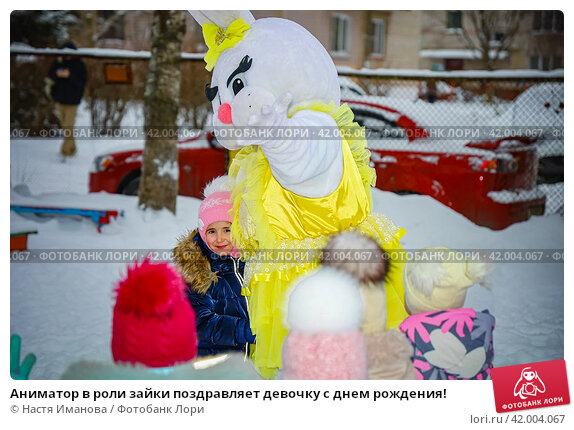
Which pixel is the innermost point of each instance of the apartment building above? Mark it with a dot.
(398, 39)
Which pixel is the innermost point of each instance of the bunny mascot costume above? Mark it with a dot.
(296, 181)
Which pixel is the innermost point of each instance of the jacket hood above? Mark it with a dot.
(191, 262)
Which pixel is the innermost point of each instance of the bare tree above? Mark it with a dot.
(107, 23)
(159, 180)
(491, 33)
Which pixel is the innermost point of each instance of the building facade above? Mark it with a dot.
(397, 39)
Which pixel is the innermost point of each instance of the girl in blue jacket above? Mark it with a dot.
(213, 272)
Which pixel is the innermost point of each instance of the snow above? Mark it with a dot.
(63, 310)
(375, 156)
(19, 224)
(465, 54)
(469, 74)
(169, 168)
(349, 87)
(432, 159)
(511, 196)
(539, 109)
(554, 197)
(21, 48)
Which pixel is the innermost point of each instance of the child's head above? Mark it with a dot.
(215, 218)
(218, 237)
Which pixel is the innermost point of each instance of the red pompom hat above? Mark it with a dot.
(153, 323)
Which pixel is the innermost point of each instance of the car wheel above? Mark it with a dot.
(132, 187)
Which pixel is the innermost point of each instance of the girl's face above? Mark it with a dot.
(218, 237)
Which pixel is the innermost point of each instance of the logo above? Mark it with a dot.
(529, 386)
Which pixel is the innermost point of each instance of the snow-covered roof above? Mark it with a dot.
(464, 54)
(23, 49)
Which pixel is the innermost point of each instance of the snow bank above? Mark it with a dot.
(63, 310)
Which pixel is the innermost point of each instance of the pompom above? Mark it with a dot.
(346, 252)
(479, 272)
(218, 185)
(425, 276)
(326, 300)
(150, 289)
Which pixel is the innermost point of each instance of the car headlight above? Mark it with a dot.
(101, 163)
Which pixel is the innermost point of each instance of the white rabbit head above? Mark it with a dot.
(275, 56)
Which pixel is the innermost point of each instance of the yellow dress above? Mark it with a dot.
(282, 233)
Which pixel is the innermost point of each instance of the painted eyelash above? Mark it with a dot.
(244, 66)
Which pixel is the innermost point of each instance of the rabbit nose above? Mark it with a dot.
(224, 113)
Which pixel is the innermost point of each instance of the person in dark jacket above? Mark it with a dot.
(69, 76)
(214, 274)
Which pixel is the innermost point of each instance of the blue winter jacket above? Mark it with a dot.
(214, 291)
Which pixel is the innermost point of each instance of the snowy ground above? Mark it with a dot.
(63, 310)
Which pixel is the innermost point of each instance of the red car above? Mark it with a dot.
(492, 183)
(201, 159)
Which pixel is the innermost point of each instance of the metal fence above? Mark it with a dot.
(466, 109)
(454, 108)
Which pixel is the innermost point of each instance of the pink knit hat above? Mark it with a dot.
(153, 322)
(216, 206)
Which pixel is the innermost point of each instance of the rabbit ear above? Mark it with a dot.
(200, 17)
(222, 18)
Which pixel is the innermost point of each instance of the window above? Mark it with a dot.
(547, 21)
(558, 20)
(536, 21)
(545, 62)
(379, 36)
(496, 39)
(454, 19)
(340, 28)
(454, 64)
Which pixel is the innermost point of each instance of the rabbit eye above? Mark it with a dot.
(237, 85)
(237, 78)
